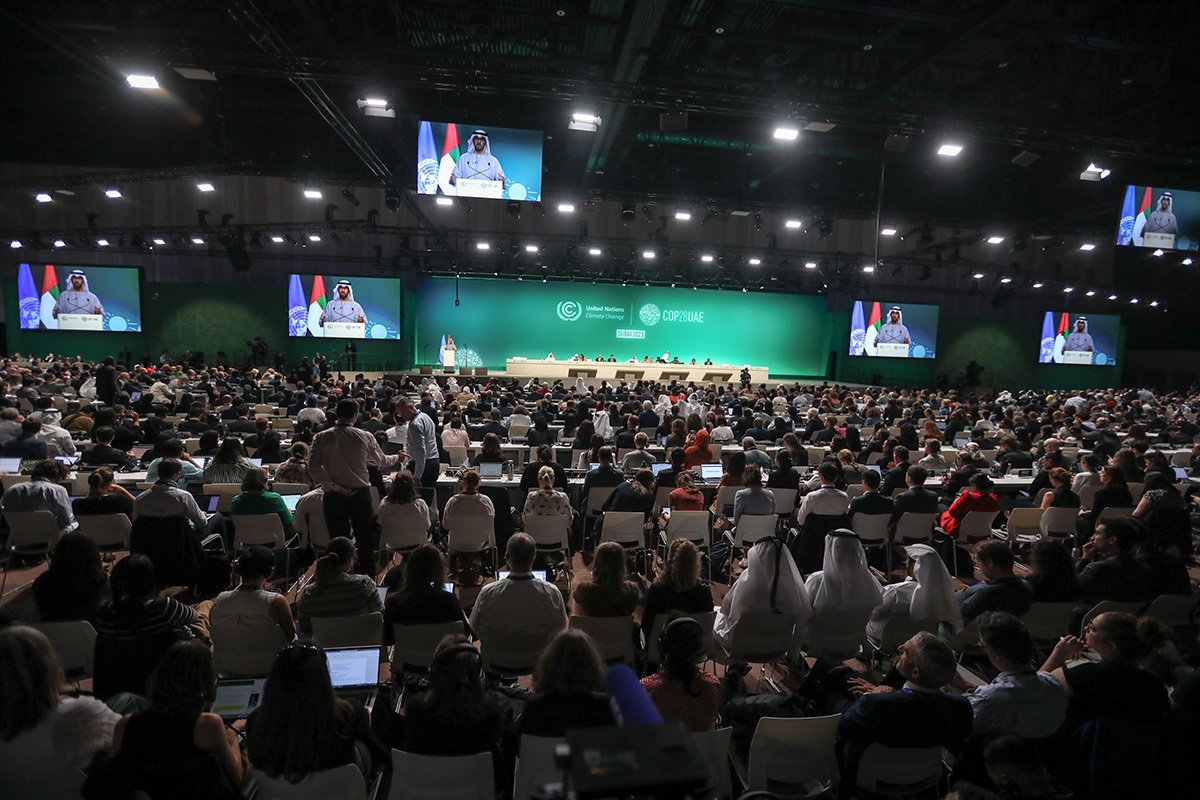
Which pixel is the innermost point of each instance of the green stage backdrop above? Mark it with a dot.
(496, 320)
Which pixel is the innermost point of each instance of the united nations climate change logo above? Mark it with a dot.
(649, 314)
(569, 311)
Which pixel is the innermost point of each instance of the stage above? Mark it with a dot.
(617, 371)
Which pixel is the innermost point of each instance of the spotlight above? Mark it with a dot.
(584, 121)
(350, 198)
(136, 81)
(810, 265)
(1187, 262)
(888, 232)
(1068, 289)
(112, 193)
(995, 239)
(1091, 293)
(683, 215)
(59, 243)
(707, 258)
(15, 244)
(1154, 304)
(531, 248)
(482, 246)
(566, 208)
(1158, 253)
(205, 186)
(628, 213)
(312, 237)
(648, 254)
(1094, 173)
(1133, 302)
(949, 150)
(1112, 297)
(786, 133)
(197, 240)
(158, 240)
(277, 239)
(868, 268)
(1087, 247)
(977, 276)
(312, 193)
(444, 201)
(594, 251)
(1038, 284)
(43, 197)
(793, 224)
(824, 228)
(754, 262)
(1006, 279)
(102, 242)
(376, 107)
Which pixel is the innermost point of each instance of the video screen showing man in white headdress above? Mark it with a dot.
(478, 163)
(1079, 339)
(894, 330)
(77, 299)
(343, 308)
(1162, 219)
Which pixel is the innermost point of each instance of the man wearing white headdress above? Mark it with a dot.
(601, 422)
(894, 331)
(843, 593)
(478, 163)
(770, 584)
(343, 308)
(926, 595)
(77, 299)
(1079, 339)
(1162, 219)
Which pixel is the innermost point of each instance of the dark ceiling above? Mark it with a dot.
(1072, 82)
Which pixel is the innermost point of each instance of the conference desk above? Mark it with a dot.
(619, 371)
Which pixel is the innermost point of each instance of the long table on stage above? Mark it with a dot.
(621, 371)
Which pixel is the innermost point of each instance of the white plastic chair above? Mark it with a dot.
(457, 454)
(1048, 622)
(245, 650)
(713, 747)
(536, 765)
(1174, 610)
(356, 630)
(1024, 525)
(1087, 495)
(550, 532)
(1108, 606)
(785, 501)
(290, 488)
(913, 527)
(415, 644)
(1058, 523)
(626, 528)
(706, 621)
(695, 526)
(399, 535)
(30, 533)
(872, 532)
(899, 770)
(791, 757)
(760, 638)
(511, 655)
(75, 643)
(109, 531)
(613, 636)
(419, 777)
(473, 533)
(225, 491)
(1114, 512)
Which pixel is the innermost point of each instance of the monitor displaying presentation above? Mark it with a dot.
(1159, 218)
(885, 329)
(70, 298)
(343, 307)
(496, 320)
(470, 160)
(1079, 339)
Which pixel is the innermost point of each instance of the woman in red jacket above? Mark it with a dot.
(977, 496)
(698, 452)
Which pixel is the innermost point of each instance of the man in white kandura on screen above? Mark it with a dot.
(77, 299)
(478, 163)
(343, 308)
(1079, 339)
(1162, 219)
(893, 331)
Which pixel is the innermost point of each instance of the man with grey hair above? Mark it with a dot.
(917, 715)
(754, 456)
(519, 603)
(421, 446)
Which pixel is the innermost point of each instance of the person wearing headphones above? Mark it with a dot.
(455, 717)
(680, 690)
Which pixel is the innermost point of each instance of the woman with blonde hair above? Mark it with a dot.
(608, 593)
(568, 682)
(678, 588)
(547, 500)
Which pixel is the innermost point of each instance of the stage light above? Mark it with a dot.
(584, 121)
(683, 215)
(949, 150)
(15, 244)
(531, 248)
(1094, 173)
(1091, 293)
(205, 186)
(376, 107)
(197, 240)
(59, 243)
(1187, 262)
(793, 224)
(1038, 284)
(1112, 297)
(1158, 253)
(113, 193)
(995, 239)
(1068, 289)
(43, 197)
(868, 268)
(277, 239)
(312, 193)
(482, 246)
(810, 265)
(158, 240)
(1087, 247)
(787, 133)
(594, 251)
(1006, 279)
(566, 208)
(977, 276)
(754, 262)
(374, 102)
(444, 201)
(888, 232)
(706, 258)
(312, 237)
(648, 254)
(1154, 304)
(102, 242)
(1133, 302)
(136, 81)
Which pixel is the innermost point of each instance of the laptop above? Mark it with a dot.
(593, 465)
(449, 586)
(208, 502)
(382, 593)
(354, 672)
(202, 461)
(491, 470)
(237, 697)
(538, 574)
(256, 462)
(875, 467)
(659, 467)
(10, 465)
(711, 473)
(139, 450)
(291, 500)
(70, 461)
(135, 396)
(1182, 474)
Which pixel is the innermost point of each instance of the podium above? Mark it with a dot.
(81, 322)
(448, 358)
(474, 187)
(891, 350)
(1077, 356)
(345, 330)
(1164, 241)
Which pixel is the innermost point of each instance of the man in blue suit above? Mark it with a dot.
(917, 715)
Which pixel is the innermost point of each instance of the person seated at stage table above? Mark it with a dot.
(978, 496)
(640, 458)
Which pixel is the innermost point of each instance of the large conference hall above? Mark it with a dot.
(440, 400)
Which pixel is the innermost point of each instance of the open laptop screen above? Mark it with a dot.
(711, 472)
(10, 465)
(235, 699)
(491, 470)
(538, 574)
(353, 666)
(659, 467)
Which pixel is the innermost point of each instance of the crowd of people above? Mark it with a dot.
(369, 455)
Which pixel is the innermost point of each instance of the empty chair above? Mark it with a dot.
(899, 770)
(75, 643)
(1058, 523)
(713, 747)
(1048, 622)
(1114, 512)
(419, 777)
(290, 488)
(913, 527)
(473, 533)
(626, 528)
(785, 501)
(1108, 606)
(791, 757)
(9, 481)
(358, 630)
(1087, 494)
(1024, 525)
(760, 638)
(246, 650)
(511, 655)
(109, 531)
(260, 529)
(400, 535)
(536, 765)
(225, 491)
(1174, 610)
(613, 636)
(30, 533)
(457, 455)
(695, 526)
(415, 645)
(550, 532)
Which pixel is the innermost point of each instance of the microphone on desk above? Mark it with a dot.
(633, 706)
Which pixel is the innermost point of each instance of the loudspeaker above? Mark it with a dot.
(426, 369)
(481, 371)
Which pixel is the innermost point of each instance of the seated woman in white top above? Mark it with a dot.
(46, 740)
(455, 435)
(547, 500)
(519, 417)
(925, 597)
(404, 505)
(764, 589)
(843, 591)
(251, 603)
(467, 503)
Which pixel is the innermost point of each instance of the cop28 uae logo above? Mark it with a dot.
(649, 314)
(569, 311)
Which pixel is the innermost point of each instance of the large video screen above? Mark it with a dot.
(456, 158)
(495, 320)
(1162, 219)
(1079, 339)
(342, 307)
(70, 298)
(884, 329)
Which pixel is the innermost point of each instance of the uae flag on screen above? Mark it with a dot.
(873, 326)
(1060, 341)
(1143, 215)
(49, 297)
(450, 153)
(316, 307)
